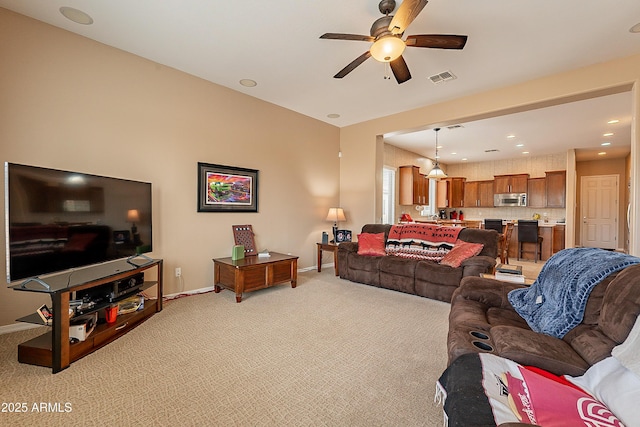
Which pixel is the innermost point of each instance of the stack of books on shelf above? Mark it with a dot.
(509, 273)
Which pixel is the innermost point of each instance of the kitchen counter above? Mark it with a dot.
(552, 241)
(471, 223)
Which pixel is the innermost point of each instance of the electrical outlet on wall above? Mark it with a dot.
(178, 271)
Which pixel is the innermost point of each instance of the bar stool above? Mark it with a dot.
(528, 233)
(493, 224)
(504, 249)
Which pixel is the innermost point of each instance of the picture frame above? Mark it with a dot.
(343, 236)
(121, 236)
(227, 188)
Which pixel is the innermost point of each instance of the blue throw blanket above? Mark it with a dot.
(556, 301)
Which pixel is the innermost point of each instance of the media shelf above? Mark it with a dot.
(53, 348)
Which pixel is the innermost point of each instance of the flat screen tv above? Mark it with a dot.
(59, 220)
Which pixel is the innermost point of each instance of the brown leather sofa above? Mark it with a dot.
(419, 277)
(482, 319)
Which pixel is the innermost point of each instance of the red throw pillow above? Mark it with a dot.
(461, 251)
(371, 244)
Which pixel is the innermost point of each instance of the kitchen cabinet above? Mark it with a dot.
(558, 238)
(556, 189)
(414, 186)
(478, 194)
(510, 183)
(537, 193)
(450, 193)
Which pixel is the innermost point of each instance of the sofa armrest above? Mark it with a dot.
(348, 247)
(477, 265)
(490, 292)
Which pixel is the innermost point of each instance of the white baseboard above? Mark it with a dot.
(15, 327)
(191, 292)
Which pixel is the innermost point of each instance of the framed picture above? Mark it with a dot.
(227, 188)
(121, 236)
(343, 236)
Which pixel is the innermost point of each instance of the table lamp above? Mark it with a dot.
(133, 216)
(335, 215)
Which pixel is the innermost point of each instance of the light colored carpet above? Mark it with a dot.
(328, 353)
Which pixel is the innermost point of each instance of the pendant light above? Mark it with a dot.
(436, 172)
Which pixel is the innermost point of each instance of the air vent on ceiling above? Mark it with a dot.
(452, 127)
(442, 77)
(492, 150)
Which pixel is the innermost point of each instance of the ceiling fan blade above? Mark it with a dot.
(340, 36)
(352, 66)
(438, 41)
(400, 70)
(407, 12)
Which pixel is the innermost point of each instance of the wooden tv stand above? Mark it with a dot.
(53, 349)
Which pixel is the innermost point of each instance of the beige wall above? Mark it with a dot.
(358, 142)
(605, 167)
(535, 166)
(70, 103)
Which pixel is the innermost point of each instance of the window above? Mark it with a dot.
(388, 195)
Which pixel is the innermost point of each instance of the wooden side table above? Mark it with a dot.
(328, 247)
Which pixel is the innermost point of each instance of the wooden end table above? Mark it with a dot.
(252, 273)
(328, 247)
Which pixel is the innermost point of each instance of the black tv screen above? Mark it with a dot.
(58, 220)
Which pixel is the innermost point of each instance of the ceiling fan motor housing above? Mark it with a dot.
(387, 6)
(381, 27)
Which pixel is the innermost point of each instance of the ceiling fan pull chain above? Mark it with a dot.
(387, 69)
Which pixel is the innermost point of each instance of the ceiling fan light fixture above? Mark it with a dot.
(387, 48)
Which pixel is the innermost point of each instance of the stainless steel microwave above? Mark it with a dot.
(510, 199)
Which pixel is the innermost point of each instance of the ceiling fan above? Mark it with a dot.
(386, 35)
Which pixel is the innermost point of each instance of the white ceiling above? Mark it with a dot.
(276, 43)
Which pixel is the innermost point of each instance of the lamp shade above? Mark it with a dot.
(133, 215)
(436, 172)
(387, 48)
(335, 215)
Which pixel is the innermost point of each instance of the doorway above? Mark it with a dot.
(599, 211)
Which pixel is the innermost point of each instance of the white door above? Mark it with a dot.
(599, 211)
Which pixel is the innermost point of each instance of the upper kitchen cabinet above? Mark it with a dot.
(414, 186)
(556, 183)
(510, 183)
(536, 193)
(450, 193)
(478, 194)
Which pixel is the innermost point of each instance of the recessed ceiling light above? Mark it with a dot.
(602, 153)
(75, 15)
(248, 83)
(333, 115)
(635, 28)
(613, 122)
(608, 134)
(464, 159)
(525, 152)
(454, 153)
(519, 145)
(511, 136)
(605, 144)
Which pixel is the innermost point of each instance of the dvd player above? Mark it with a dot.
(112, 291)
